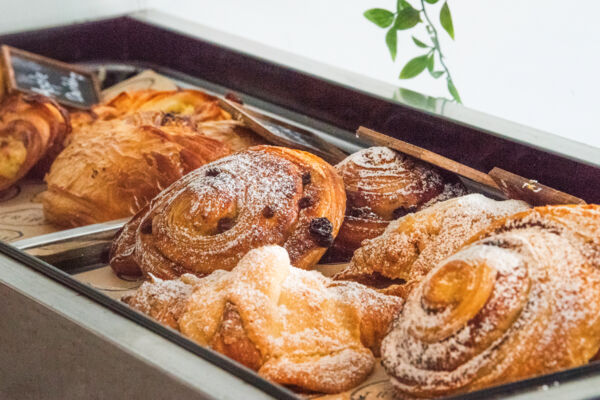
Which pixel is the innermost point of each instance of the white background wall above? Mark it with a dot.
(533, 62)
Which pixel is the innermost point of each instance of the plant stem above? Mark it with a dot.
(436, 42)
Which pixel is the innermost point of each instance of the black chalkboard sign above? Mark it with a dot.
(32, 73)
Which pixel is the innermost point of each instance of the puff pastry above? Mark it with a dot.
(32, 130)
(520, 299)
(212, 217)
(294, 327)
(111, 169)
(383, 185)
(412, 245)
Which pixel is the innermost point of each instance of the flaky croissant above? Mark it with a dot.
(520, 299)
(411, 246)
(212, 217)
(383, 185)
(32, 130)
(111, 169)
(294, 327)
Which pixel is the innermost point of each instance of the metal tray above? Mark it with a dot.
(332, 115)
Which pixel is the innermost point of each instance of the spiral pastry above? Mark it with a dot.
(32, 130)
(213, 216)
(522, 298)
(383, 185)
(412, 245)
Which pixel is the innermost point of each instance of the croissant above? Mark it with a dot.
(32, 130)
(520, 299)
(294, 327)
(383, 185)
(213, 216)
(410, 246)
(111, 169)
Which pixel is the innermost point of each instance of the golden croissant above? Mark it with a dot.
(294, 327)
(32, 130)
(520, 299)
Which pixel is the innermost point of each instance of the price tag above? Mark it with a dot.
(31, 73)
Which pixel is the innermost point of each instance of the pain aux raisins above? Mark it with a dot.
(321, 231)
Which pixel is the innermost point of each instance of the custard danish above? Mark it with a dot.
(214, 215)
(521, 299)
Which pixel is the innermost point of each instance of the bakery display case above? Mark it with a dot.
(65, 332)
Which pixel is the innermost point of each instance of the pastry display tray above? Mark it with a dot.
(123, 46)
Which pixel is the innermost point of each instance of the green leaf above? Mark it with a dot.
(407, 18)
(402, 4)
(446, 20)
(431, 1)
(414, 67)
(430, 62)
(453, 91)
(419, 43)
(436, 74)
(391, 39)
(380, 17)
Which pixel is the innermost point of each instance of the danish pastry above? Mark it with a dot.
(294, 327)
(213, 216)
(520, 299)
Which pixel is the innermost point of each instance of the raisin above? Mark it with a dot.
(268, 212)
(402, 211)
(212, 172)
(305, 202)
(167, 118)
(94, 173)
(321, 229)
(146, 227)
(306, 178)
(225, 224)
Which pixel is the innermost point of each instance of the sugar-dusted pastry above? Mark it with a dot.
(412, 245)
(111, 169)
(521, 299)
(383, 185)
(212, 217)
(32, 130)
(294, 327)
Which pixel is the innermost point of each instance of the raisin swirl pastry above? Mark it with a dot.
(214, 215)
(521, 299)
(32, 130)
(383, 185)
(412, 245)
(293, 327)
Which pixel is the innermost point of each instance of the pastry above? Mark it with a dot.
(383, 185)
(111, 169)
(32, 130)
(413, 244)
(213, 216)
(195, 104)
(520, 299)
(294, 327)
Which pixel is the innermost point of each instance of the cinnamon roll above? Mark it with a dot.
(383, 185)
(214, 215)
(293, 327)
(520, 299)
(410, 246)
(32, 130)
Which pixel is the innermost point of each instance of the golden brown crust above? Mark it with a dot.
(521, 299)
(111, 169)
(294, 327)
(213, 216)
(383, 185)
(32, 131)
(412, 245)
